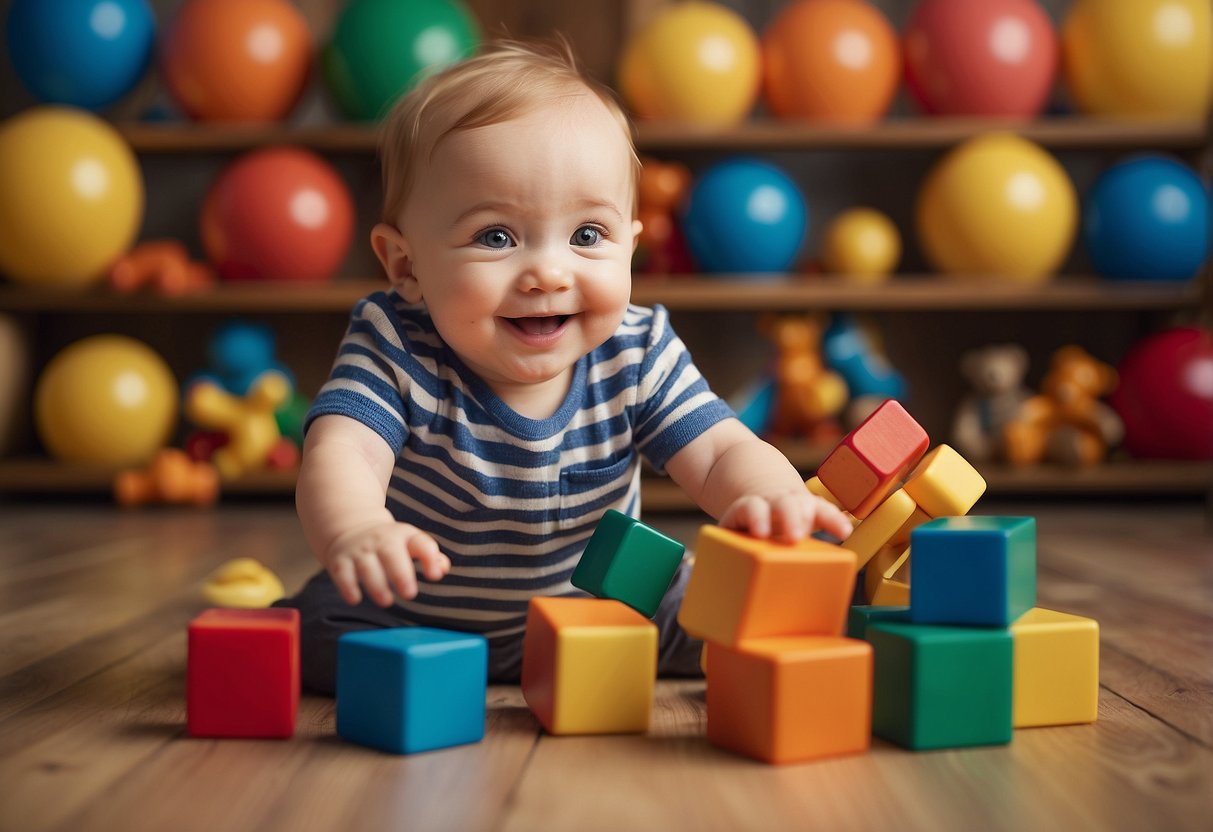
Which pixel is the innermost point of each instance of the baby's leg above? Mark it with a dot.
(677, 652)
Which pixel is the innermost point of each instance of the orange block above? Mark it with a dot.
(871, 460)
(786, 700)
(743, 587)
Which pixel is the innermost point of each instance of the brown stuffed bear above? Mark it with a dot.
(995, 373)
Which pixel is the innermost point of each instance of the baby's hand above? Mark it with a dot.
(788, 516)
(380, 558)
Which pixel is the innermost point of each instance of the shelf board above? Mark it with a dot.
(756, 134)
(30, 476)
(691, 293)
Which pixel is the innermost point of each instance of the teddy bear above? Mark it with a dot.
(995, 373)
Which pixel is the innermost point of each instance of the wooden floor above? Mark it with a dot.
(93, 609)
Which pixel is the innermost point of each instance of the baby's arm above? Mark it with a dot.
(341, 496)
(747, 484)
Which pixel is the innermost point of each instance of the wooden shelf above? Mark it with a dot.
(758, 134)
(761, 293)
(36, 476)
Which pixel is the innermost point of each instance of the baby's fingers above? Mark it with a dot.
(749, 514)
(424, 549)
(345, 578)
(832, 519)
(374, 580)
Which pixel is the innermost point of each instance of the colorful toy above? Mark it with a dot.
(662, 188)
(86, 53)
(281, 213)
(242, 676)
(861, 245)
(1056, 669)
(243, 583)
(807, 395)
(588, 666)
(106, 400)
(944, 484)
(995, 373)
(1147, 218)
(15, 364)
(65, 172)
(248, 421)
(238, 352)
(850, 350)
(380, 48)
(1144, 58)
(1165, 395)
(997, 205)
(171, 478)
(745, 216)
(236, 60)
(886, 581)
(993, 58)
(880, 527)
(745, 588)
(164, 265)
(1066, 422)
(788, 700)
(411, 689)
(830, 60)
(629, 562)
(696, 62)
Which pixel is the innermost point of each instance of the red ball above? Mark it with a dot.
(988, 58)
(1165, 396)
(278, 214)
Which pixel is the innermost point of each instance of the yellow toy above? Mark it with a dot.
(248, 422)
(242, 583)
(862, 245)
(1056, 668)
(808, 396)
(171, 478)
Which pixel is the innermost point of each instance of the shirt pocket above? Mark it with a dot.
(589, 491)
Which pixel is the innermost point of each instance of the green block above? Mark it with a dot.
(629, 562)
(941, 687)
(861, 615)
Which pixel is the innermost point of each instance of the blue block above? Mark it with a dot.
(975, 570)
(411, 689)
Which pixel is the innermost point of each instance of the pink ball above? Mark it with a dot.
(988, 58)
(1165, 396)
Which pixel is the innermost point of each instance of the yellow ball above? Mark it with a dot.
(861, 244)
(997, 205)
(694, 62)
(107, 400)
(71, 200)
(1145, 58)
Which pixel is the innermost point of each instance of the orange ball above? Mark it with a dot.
(833, 60)
(236, 60)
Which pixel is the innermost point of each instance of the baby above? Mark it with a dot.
(482, 415)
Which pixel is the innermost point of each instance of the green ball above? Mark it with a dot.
(381, 48)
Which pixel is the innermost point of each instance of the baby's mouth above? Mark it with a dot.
(544, 325)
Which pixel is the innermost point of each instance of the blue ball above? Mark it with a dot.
(87, 53)
(745, 216)
(1147, 218)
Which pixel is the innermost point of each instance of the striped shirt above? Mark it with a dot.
(512, 500)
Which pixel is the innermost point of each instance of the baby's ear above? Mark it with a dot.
(392, 249)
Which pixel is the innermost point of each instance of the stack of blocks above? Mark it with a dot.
(589, 664)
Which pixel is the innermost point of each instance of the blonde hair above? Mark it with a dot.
(505, 80)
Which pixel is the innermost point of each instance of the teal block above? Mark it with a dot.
(941, 687)
(410, 689)
(861, 615)
(973, 571)
(629, 562)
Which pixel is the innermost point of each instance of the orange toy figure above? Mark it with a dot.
(164, 265)
(661, 189)
(807, 395)
(172, 478)
(1066, 422)
(248, 422)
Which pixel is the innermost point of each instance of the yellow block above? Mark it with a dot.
(589, 666)
(1056, 669)
(815, 486)
(944, 484)
(902, 536)
(879, 527)
(884, 583)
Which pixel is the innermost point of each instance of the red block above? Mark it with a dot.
(243, 673)
(872, 460)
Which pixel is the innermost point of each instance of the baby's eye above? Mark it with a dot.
(495, 238)
(587, 235)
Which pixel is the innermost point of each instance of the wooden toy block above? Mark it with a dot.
(941, 687)
(861, 615)
(976, 570)
(743, 588)
(410, 689)
(589, 666)
(880, 526)
(242, 673)
(815, 487)
(1056, 669)
(629, 562)
(901, 538)
(885, 581)
(944, 484)
(873, 459)
(786, 700)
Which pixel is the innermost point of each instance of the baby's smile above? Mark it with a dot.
(542, 325)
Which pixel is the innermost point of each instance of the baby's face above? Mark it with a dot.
(521, 237)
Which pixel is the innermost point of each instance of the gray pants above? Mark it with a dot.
(325, 617)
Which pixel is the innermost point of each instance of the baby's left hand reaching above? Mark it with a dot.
(788, 516)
